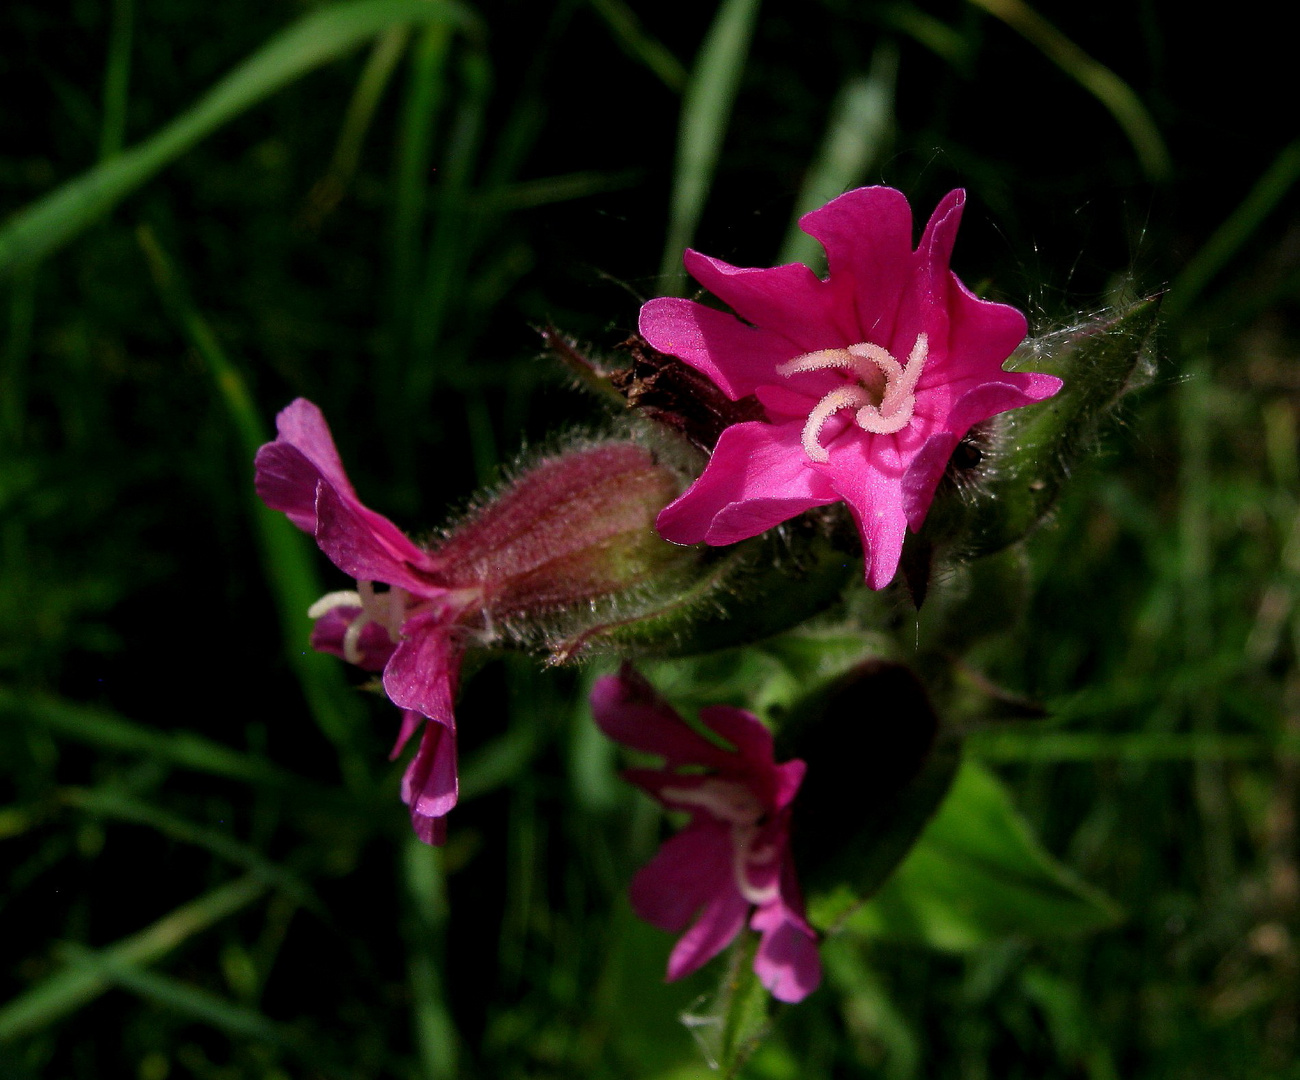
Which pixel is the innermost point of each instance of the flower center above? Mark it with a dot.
(391, 609)
(388, 609)
(741, 808)
(883, 391)
(726, 800)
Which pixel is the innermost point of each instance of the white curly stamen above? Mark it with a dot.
(330, 601)
(741, 808)
(843, 397)
(725, 800)
(388, 609)
(884, 394)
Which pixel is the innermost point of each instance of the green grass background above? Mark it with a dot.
(212, 208)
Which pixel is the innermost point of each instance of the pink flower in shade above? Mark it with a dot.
(869, 378)
(569, 532)
(733, 860)
(408, 631)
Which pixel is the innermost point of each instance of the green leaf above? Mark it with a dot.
(978, 875)
(45, 226)
(878, 767)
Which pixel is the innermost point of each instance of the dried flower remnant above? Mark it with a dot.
(732, 862)
(572, 530)
(869, 378)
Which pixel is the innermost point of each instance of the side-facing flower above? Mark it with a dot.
(869, 378)
(732, 861)
(572, 530)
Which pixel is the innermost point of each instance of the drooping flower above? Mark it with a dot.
(869, 378)
(732, 861)
(570, 531)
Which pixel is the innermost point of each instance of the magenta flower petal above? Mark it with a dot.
(789, 300)
(286, 480)
(686, 873)
(788, 778)
(734, 856)
(628, 710)
(288, 470)
(423, 672)
(432, 830)
(411, 721)
(754, 748)
(786, 962)
(719, 922)
(301, 474)
(886, 365)
(982, 333)
(302, 425)
(366, 545)
(873, 491)
(718, 345)
(755, 479)
(430, 786)
(867, 234)
(373, 646)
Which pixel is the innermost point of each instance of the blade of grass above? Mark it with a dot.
(426, 931)
(706, 110)
(117, 79)
(1196, 564)
(1278, 180)
(235, 1020)
(68, 990)
(448, 256)
(329, 190)
(546, 190)
(1107, 87)
(107, 802)
(636, 43)
(99, 727)
(861, 122)
(500, 762)
(426, 91)
(948, 44)
(13, 376)
(286, 555)
(1083, 746)
(46, 225)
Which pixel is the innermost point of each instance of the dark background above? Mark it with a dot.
(134, 591)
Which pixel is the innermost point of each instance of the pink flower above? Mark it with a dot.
(869, 378)
(408, 631)
(734, 856)
(572, 530)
